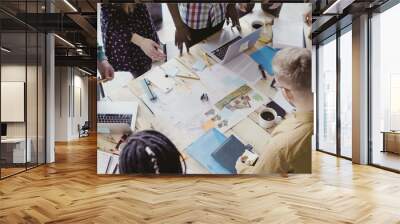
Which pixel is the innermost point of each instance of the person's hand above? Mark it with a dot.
(246, 7)
(149, 47)
(152, 49)
(242, 7)
(308, 18)
(106, 70)
(182, 36)
(240, 166)
(232, 15)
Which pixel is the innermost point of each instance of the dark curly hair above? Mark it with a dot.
(150, 152)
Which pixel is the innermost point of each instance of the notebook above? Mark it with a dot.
(228, 153)
(201, 150)
(264, 57)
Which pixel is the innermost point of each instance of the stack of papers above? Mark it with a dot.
(287, 33)
(245, 67)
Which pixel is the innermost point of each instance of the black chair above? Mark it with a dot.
(84, 130)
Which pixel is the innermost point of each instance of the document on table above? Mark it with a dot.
(157, 77)
(236, 106)
(120, 81)
(287, 33)
(219, 81)
(244, 67)
(181, 107)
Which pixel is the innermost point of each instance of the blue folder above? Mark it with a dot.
(264, 57)
(203, 147)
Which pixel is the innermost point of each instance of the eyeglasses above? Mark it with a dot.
(276, 85)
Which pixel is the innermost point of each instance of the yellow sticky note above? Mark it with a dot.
(208, 125)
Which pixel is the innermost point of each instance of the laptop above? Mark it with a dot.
(3, 131)
(226, 46)
(116, 117)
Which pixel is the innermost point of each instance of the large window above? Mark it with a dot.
(385, 89)
(22, 77)
(346, 93)
(326, 107)
(334, 121)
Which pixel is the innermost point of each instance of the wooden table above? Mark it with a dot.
(391, 141)
(248, 131)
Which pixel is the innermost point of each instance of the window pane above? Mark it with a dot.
(327, 97)
(385, 84)
(14, 153)
(346, 94)
(31, 99)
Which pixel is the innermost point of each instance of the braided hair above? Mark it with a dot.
(150, 152)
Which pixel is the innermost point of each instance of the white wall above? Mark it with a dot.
(70, 84)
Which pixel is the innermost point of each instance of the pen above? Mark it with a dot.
(101, 88)
(148, 87)
(165, 52)
(146, 105)
(262, 72)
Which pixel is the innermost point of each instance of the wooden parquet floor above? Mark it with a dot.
(69, 191)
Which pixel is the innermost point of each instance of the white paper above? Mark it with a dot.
(245, 67)
(103, 159)
(120, 80)
(287, 33)
(181, 107)
(172, 71)
(199, 65)
(157, 77)
(281, 101)
(219, 81)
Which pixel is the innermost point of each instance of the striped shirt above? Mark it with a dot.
(202, 15)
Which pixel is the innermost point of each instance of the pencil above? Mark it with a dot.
(146, 105)
(101, 80)
(206, 59)
(188, 77)
(183, 76)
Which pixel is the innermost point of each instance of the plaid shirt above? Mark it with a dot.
(202, 15)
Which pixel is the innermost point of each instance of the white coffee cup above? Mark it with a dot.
(268, 118)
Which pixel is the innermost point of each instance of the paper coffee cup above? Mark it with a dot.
(257, 24)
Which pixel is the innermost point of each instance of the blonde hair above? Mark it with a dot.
(292, 66)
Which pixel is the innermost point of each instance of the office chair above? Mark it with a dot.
(84, 130)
